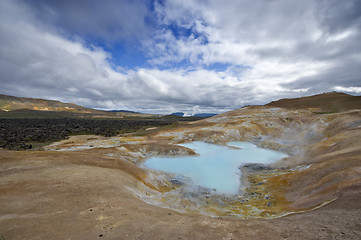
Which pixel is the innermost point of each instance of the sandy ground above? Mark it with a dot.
(84, 195)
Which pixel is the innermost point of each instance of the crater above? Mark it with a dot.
(220, 180)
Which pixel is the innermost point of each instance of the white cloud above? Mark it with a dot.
(279, 41)
(57, 68)
(272, 49)
(348, 89)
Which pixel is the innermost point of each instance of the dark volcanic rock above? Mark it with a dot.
(256, 167)
(16, 134)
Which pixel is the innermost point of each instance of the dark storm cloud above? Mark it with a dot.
(339, 47)
(110, 20)
(335, 15)
(346, 73)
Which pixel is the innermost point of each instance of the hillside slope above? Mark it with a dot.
(15, 107)
(10, 103)
(326, 102)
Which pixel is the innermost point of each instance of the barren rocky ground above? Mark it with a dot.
(93, 187)
(56, 195)
(19, 134)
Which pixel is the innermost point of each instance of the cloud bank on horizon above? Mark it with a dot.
(163, 56)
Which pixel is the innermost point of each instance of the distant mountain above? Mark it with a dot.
(122, 111)
(202, 115)
(327, 102)
(181, 114)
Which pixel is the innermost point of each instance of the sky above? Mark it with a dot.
(160, 56)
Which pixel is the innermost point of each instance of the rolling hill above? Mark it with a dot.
(11, 103)
(326, 102)
(16, 107)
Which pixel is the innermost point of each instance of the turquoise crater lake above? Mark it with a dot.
(215, 166)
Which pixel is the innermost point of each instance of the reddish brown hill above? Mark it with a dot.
(14, 107)
(327, 102)
(10, 103)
